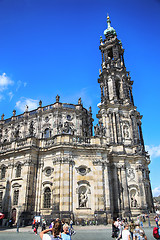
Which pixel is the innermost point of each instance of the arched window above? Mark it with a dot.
(15, 197)
(3, 172)
(18, 171)
(117, 85)
(47, 198)
(46, 133)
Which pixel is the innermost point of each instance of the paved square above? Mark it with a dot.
(81, 234)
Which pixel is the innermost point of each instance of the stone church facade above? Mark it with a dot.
(52, 165)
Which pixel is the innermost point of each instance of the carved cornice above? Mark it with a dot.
(121, 166)
(63, 160)
(100, 162)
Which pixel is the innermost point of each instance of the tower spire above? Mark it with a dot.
(108, 21)
(110, 30)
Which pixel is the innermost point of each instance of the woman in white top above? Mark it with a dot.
(126, 233)
(55, 232)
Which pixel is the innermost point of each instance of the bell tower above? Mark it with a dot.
(119, 120)
(119, 129)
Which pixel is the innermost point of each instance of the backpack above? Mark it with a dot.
(155, 233)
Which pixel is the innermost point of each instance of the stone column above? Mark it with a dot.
(125, 193)
(142, 197)
(111, 128)
(107, 187)
(119, 132)
(38, 188)
(114, 127)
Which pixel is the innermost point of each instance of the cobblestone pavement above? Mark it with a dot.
(82, 233)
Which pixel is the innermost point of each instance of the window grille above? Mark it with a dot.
(47, 198)
(15, 197)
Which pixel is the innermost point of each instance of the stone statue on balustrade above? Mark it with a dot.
(99, 130)
(31, 129)
(59, 128)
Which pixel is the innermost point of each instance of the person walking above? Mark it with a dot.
(126, 233)
(36, 227)
(66, 235)
(131, 227)
(43, 224)
(55, 232)
(115, 230)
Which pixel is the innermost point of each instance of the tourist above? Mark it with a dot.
(71, 223)
(33, 223)
(125, 233)
(156, 220)
(138, 233)
(36, 227)
(56, 232)
(132, 227)
(65, 235)
(115, 230)
(43, 224)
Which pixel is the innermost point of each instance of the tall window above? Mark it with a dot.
(117, 85)
(1, 194)
(18, 171)
(47, 198)
(3, 172)
(46, 133)
(15, 197)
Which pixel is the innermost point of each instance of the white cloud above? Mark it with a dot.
(154, 151)
(156, 192)
(5, 81)
(10, 94)
(31, 103)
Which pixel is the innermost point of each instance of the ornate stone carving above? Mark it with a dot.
(126, 131)
(2, 117)
(80, 101)
(17, 132)
(57, 98)
(130, 174)
(26, 110)
(63, 160)
(59, 128)
(99, 130)
(40, 103)
(31, 129)
(14, 112)
(83, 198)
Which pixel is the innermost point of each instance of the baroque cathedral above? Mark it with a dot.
(52, 165)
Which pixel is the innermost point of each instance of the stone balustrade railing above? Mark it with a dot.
(63, 139)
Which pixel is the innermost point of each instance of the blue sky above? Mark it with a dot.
(50, 47)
